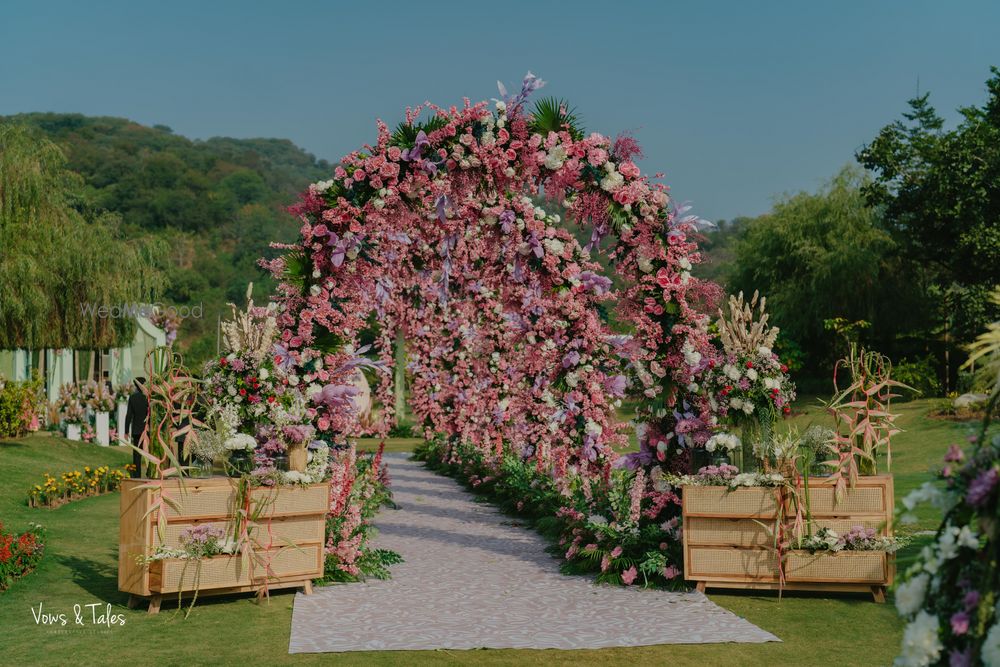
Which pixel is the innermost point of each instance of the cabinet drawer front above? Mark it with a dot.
(856, 567)
(186, 575)
(754, 564)
(195, 502)
(277, 532)
(721, 501)
(730, 532)
(291, 500)
(859, 500)
(304, 561)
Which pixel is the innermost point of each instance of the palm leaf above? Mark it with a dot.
(555, 115)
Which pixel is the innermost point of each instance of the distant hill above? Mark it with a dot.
(218, 202)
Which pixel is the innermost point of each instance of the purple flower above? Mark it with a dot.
(411, 154)
(572, 358)
(960, 623)
(599, 285)
(616, 385)
(336, 394)
(960, 658)
(282, 359)
(954, 455)
(981, 487)
(507, 219)
(971, 600)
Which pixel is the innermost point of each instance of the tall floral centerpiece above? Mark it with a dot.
(751, 387)
(101, 400)
(72, 413)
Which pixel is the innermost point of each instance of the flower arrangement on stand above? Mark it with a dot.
(751, 387)
(950, 597)
(72, 413)
(268, 419)
(102, 401)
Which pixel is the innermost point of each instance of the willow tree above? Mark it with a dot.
(57, 267)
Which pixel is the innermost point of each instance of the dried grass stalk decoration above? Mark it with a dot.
(251, 331)
(741, 333)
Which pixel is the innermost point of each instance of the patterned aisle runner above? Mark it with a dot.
(473, 579)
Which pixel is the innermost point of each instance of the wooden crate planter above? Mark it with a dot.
(288, 536)
(730, 536)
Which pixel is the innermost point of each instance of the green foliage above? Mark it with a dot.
(555, 115)
(825, 256)
(59, 265)
(940, 193)
(405, 135)
(213, 206)
(920, 374)
(19, 402)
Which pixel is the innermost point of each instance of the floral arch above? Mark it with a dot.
(439, 231)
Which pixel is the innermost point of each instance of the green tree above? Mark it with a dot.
(54, 262)
(823, 256)
(940, 195)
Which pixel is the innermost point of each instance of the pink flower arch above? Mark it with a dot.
(444, 231)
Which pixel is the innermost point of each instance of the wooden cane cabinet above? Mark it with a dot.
(287, 533)
(730, 537)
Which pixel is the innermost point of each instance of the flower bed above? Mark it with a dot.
(19, 554)
(623, 529)
(74, 485)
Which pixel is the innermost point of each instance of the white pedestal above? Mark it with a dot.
(122, 411)
(101, 426)
(72, 431)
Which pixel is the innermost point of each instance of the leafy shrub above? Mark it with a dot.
(19, 407)
(920, 375)
(19, 554)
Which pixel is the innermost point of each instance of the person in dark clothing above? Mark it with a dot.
(137, 421)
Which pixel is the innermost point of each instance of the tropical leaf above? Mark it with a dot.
(554, 115)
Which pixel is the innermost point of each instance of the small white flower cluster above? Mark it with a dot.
(613, 178)
(921, 642)
(723, 441)
(757, 479)
(927, 494)
(240, 442)
(737, 403)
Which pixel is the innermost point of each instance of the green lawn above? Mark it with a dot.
(80, 568)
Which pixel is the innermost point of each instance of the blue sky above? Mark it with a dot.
(736, 101)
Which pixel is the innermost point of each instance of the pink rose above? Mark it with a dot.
(628, 169)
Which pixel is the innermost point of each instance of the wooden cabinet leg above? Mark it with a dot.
(878, 592)
(307, 587)
(133, 601)
(154, 604)
(700, 587)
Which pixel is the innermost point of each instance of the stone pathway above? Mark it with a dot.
(474, 579)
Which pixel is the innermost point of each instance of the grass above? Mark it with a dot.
(80, 567)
